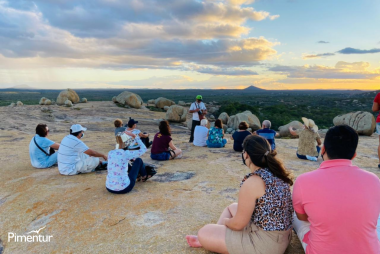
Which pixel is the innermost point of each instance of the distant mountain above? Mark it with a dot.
(22, 87)
(254, 89)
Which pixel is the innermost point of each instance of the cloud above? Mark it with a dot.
(359, 51)
(342, 70)
(318, 55)
(220, 71)
(323, 42)
(133, 34)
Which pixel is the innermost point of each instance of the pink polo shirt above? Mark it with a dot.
(343, 205)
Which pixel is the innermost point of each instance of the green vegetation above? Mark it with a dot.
(280, 107)
(281, 114)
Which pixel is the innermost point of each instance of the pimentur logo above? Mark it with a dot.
(30, 238)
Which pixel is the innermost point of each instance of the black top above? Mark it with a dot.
(239, 137)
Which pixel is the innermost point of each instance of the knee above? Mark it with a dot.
(138, 160)
(202, 234)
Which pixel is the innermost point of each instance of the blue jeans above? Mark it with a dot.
(160, 156)
(216, 145)
(137, 167)
(303, 157)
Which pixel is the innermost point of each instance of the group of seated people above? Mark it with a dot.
(334, 209)
(308, 145)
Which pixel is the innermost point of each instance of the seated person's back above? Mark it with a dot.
(240, 135)
(40, 148)
(340, 200)
(200, 134)
(267, 133)
(119, 126)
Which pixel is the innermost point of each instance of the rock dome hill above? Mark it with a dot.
(154, 218)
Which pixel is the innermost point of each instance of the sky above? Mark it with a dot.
(180, 44)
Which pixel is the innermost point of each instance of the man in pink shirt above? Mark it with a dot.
(337, 206)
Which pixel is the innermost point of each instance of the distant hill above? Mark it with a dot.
(254, 89)
(22, 87)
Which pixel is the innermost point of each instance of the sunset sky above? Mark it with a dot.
(178, 44)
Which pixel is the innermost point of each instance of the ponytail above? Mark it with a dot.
(260, 153)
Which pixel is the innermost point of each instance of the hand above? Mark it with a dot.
(197, 110)
(105, 157)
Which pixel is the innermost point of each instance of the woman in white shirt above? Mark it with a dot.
(201, 134)
(121, 176)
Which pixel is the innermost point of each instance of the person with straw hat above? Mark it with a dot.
(309, 140)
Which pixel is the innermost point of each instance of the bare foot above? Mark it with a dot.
(192, 240)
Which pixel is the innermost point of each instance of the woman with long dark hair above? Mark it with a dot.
(163, 147)
(216, 136)
(261, 221)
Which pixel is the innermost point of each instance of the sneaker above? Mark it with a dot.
(311, 158)
(150, 143)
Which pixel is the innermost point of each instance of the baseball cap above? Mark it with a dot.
(199, 97)
(77, 128)
(132, 122)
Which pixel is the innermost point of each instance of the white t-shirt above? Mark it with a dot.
(200, 136)
(69, 154)
(196, 105)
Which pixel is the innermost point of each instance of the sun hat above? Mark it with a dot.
(310, 124)
(77, 128)
(199, 97)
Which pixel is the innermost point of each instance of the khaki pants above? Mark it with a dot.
(254, 240)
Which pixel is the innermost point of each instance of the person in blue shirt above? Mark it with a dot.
(267, 133)
(41, 148)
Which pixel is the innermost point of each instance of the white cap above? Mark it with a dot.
(77, 128)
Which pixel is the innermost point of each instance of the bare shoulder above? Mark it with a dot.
(254, 184)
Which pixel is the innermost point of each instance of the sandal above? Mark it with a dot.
(150, 172)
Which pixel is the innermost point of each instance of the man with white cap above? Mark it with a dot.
(74, 157)
(309, 140)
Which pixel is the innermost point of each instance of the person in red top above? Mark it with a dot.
(337, 206)
(376, 108)
(163, 147)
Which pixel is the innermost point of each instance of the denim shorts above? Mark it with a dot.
(378, 128)
(160, 156)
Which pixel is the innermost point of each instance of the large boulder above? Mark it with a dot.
(247, 116)
(224, 117)
(162, 102)
(284, 130)
(45, 101)
(42, 101)
(68, 103)
(176, 113)
(212, 110)
(12, 105)
(114, 99)
(166, 108)
(152, 101)
(182, 103)
(68, 94)
(83, 100)
(19, 103)
(363, 122)
(130, 99)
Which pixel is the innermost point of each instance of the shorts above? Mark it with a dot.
(161, 156)
(255, 240)
(378, 128)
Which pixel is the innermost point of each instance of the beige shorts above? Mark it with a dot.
(86, 164)
(255, 240)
